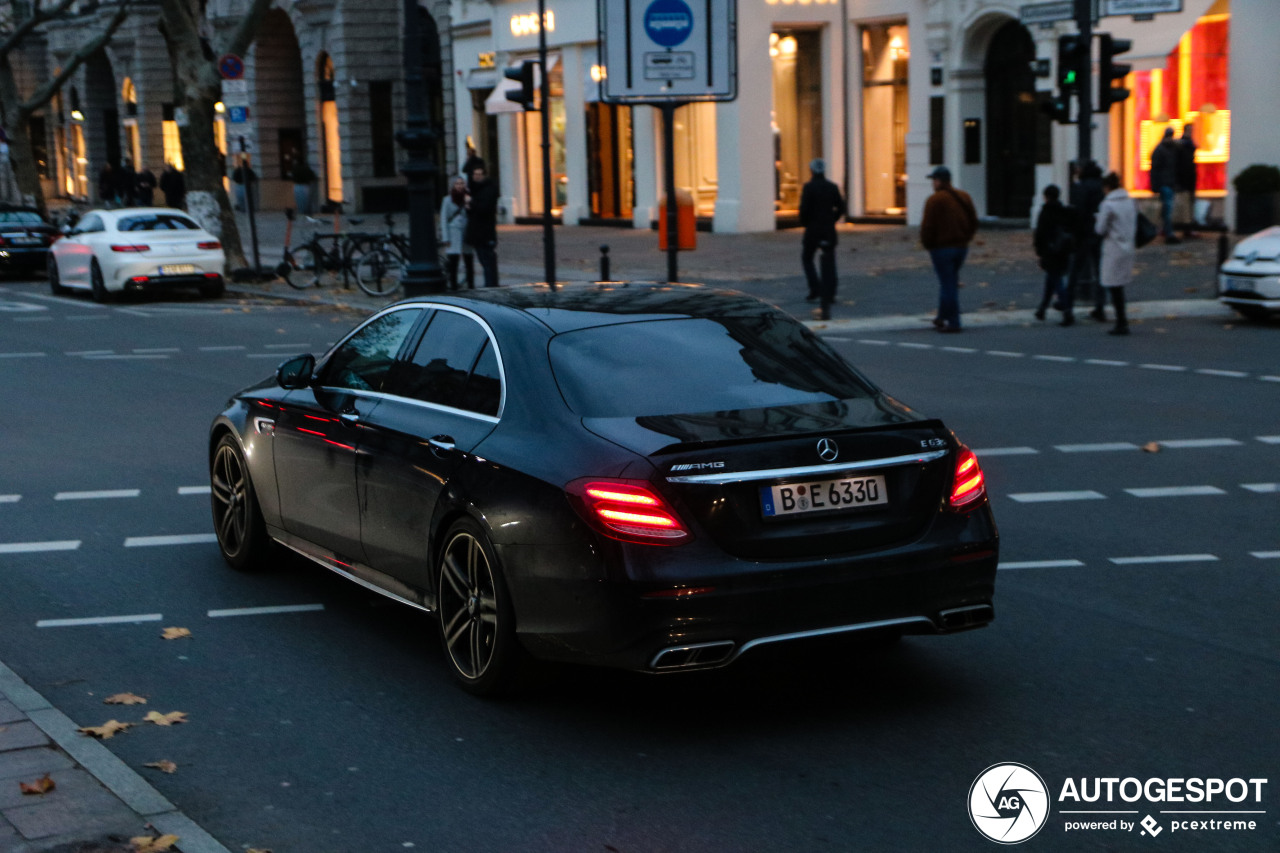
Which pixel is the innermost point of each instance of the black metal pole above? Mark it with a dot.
(669, 181)
(1084, 75)
(548, 231)
(423, 274)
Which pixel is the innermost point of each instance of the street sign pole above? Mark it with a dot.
(1084, 94)
(669, 185)
(548, 232)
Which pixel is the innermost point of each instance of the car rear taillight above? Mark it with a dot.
(209, 244)
(628, 510)
(968, 484)
(136, 248)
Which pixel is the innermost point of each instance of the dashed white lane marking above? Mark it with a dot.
(38, 547)
(263, 355)
(91, 352)
(1234, 374)
(126, 357)
(840, 340)
(1175, 491)
(1172, 368)
(1006, 451)
(1270, 378)
(1182, 443)
(1106, 362)
(10, 499)
(1262, 488)
(99, 620)
(1045, 497)
(1094, 448)
(958, 349)
(1061, 358)
(221, 349)
(90, 496)
(914, 345)
(181, 539)
(194, 490)
(260, 611)
(1164, 558)
(1266, 555)
(90, 317)
(286, 346)
(1003, 354)
(1042, 564)
(1269, 439)
(33, 319)
(21, 354)
(147, 350)
(874, 343)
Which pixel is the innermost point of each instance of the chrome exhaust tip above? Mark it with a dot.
(960, 618)
(692, 657)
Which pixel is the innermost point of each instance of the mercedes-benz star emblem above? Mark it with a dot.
(828, 450)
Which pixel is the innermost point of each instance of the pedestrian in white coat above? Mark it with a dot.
(453, 226)
(1116, 223)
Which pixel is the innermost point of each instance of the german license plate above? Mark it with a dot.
(822, 495)
(25, 241)
(178, 269)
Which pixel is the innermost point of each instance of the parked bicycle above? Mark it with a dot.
(380, 269)
(311, 263)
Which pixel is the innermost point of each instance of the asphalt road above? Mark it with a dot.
(1135, 632)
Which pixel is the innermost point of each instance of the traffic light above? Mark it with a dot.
(1110, 71)
(522, 74)
(1073, 51)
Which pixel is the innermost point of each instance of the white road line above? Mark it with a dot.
(1093, 448)
(181, 539)
(1266, 555)
(1165, 558)
(874, 343)
(1003, 354)
(38, 547)
(1175, 491)
(155, 349)
(914, 345)
(33, 319)
(124, 357)
(1182, 443)
(1172, 368)
(298, 347)
(259, 611)
(958, 349)
(1269, 439)
(221, 349)
(89, 496)
(10, 499)
(99, 620)
(1043, 564)
(1270, 378)
(21, 354)
(91, 352)
(263, 355)
(1262, 488)
(1005, 451)
(90, 317)
(1236, 374)
(1106, 362)
(193, 490)
(1046, 497)
(841, 340)
(1062, 358)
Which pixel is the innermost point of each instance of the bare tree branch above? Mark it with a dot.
(38, 17)
(245, 33)
(46, 92)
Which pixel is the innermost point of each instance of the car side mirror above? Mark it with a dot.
(296, 372)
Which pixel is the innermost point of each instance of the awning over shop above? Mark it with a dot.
(497, 102)
(482, 78)
(1152, 40)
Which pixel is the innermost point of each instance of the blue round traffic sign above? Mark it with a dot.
(668, 22)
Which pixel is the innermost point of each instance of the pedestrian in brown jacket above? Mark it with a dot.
(948, 226)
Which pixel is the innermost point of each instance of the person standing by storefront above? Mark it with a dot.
(1187, 179)
(1117, 222)
(948, 226)
(821, 207)
(1164, 179)
(453, 230)
(482, 224)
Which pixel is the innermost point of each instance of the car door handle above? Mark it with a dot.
(442, 442)
(350, 418)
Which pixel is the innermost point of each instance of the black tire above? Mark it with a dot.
(97, 285)
(308, 268)
(1252, 312)
(477, 622)
(237, 519)
(213, 288)
(379, 272)
(55, 281)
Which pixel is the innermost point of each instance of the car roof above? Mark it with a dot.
(583, 305)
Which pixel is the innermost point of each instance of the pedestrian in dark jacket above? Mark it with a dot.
(1164, 180)
(482, 224)
(1187, 178)
(174, 186)
(125, 181)
(821, 207)
(1082, 278)
(946, 229)
(144, 187)
(107, 185)
(1054, 241)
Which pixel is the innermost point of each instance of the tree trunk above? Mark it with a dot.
(20, 150)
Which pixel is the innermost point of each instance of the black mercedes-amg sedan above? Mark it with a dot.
(654, 477)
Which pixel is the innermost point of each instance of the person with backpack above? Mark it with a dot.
(1054, 242)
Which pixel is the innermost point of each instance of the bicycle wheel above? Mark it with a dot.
(379, 272)
(306, 269)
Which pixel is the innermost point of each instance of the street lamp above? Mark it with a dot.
(423, 274)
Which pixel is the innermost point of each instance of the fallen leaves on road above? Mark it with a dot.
(163, 766)
(1152, 447)
(166, 719)
(146, 844)
(124, 699)
(107, 730)
(40, 786)
(175, 633)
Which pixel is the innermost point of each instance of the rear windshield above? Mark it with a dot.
(20, 217)
(157, 222)
(686, 366)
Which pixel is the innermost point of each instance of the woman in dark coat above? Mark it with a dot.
(1054, 242)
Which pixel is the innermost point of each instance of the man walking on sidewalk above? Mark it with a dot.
(948, 226)
(821, 207)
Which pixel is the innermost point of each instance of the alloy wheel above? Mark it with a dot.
(469, 612)
(231, 501)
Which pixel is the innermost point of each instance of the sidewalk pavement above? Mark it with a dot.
(886, 283)
(885, 277)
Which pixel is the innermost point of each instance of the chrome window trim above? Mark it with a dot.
(379, 395)
(806, 470)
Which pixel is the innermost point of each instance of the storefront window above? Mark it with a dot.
(532, 147)
(797, 111)
(885, 53)
(695, 144)
(609, 154)
(1190, 90)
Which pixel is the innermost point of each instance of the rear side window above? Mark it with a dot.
(686, 366)
(454, 366)
(157, 222)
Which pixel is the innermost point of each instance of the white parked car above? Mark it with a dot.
(1249, 280)
(134, 248)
